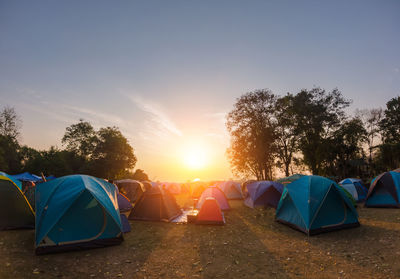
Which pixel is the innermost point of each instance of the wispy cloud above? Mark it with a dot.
(220, 116)
(159, 122)
(37, 108)
(98, 116)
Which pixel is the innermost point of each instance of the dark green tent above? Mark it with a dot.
(15, 210)
(155, 205)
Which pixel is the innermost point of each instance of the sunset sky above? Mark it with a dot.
(167, 72)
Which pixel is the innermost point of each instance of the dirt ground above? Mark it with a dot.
(251, 245)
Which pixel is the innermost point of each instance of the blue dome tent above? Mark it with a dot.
(384, 190)
(124, 204)
(231, 189)
(263, 193)
(76, 211)
(355, 187)
(314, 204)
(26, 176)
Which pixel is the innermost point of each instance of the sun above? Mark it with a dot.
(195, 156)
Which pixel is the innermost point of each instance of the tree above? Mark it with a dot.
(52, 162)
(390, 124)
(112, 154)
(251, 127)
(317, 114)
(105, 153)
(10, 123)
(285, 132)
(80, 138)
(9, 158)
(389, 150)
(344, 152)
(27, 155)
(371, 119)
(140, 175)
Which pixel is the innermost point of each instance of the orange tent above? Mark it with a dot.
(210, 213)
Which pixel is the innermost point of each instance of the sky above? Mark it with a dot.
(167, 72)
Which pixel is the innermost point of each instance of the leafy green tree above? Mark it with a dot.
(286, 136)
(317, 114)
(389, 150)
(344, 154)
(10, 123)
(390, 124)
(112, 154)
(9, 158)
(50, 162)
(371, 119)
(251, 126)
(27, 155)
(140, 175)
(80, 138)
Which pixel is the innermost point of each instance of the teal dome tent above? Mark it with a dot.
(314, 204)
(76, 211)
(384, 191)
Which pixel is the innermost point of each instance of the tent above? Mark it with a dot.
(76, 211)
(263, 193)
(290, 179)
(123, 203)
(50, 177)
(231, 189)
(384, 191)
(173, 188)
(30, 196)
(155, 205)
(13, 180)
(147, 185)
(315, 204)
(26, 176)
(132, 189)
(216, 193)
(210, 213)
(126, 227)
(15, 210)
(197, 188)
(244, 187)
(355, 187)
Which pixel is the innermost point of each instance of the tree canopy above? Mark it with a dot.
(103, 153)
(310, 129)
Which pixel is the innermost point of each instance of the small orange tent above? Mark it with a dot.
(210, 213)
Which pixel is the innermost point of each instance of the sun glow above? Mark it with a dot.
(195, 156)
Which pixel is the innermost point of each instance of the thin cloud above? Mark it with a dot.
(51, 114)
(159, 122)
(96, 115)
(220, 116)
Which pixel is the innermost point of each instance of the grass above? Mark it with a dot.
(250, 245)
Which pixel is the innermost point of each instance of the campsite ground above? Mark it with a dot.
(250, 245)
